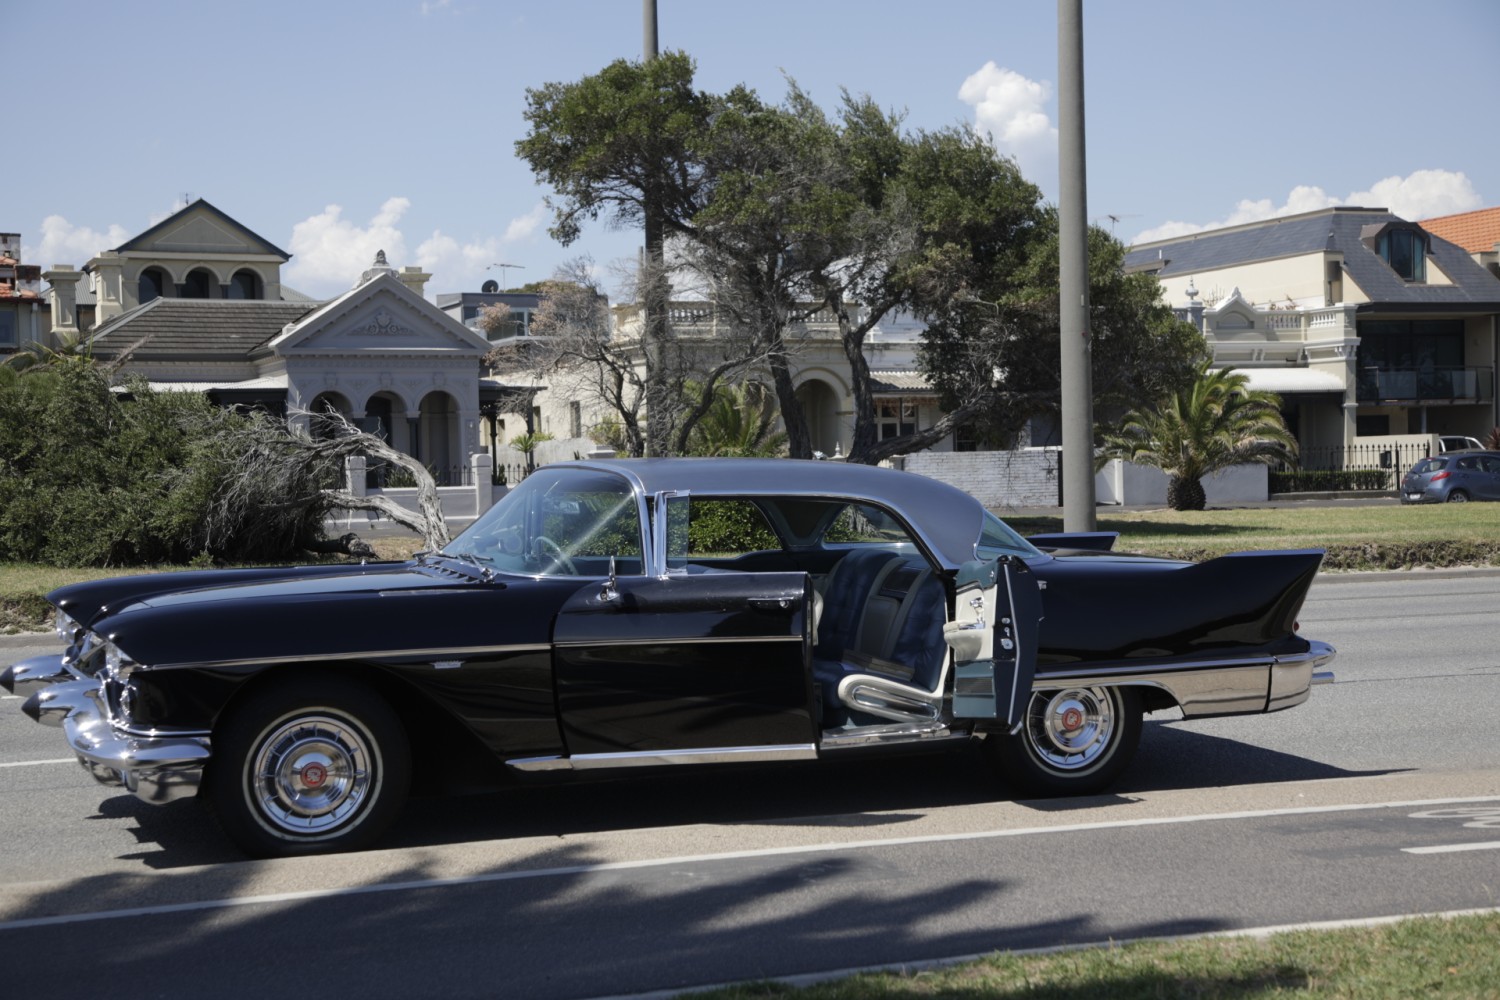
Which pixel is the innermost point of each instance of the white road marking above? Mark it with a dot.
(1490, 845)
(35, 763)
(10, 697)
(766, 852)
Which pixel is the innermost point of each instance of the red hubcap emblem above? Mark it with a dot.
(313, 775)
(1072, 718)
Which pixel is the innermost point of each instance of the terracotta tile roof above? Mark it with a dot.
(1476, 232)
(6, 260)
(8, 291)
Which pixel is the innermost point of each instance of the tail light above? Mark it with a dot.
(1439, 475)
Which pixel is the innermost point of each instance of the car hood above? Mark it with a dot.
(360, 612)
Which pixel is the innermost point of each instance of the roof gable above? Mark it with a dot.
(381, 315)
(200, 228)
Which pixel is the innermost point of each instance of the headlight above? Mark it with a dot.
(67, 628)
(117, 663)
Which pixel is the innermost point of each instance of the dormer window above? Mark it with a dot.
(1405, 251)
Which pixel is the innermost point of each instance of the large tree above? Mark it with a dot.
(995, 343)
(782, 211)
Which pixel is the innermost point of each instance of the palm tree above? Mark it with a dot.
(1212, 424)
(738, 425)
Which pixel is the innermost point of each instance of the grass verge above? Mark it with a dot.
(1438, 957)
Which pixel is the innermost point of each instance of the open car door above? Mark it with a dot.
(997, 617)
(699, 668)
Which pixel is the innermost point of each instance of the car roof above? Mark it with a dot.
(947, 519)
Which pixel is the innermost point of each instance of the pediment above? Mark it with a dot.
(201, 229)
(379, 317)
(1233, 315)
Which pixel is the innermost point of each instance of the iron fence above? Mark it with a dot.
(1390, 461)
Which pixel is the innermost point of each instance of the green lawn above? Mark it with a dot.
(1428, 957)
(1374, 537)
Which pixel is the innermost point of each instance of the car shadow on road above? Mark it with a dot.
(857, 794)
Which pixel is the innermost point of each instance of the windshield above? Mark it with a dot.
(560, 522)
(997, 539)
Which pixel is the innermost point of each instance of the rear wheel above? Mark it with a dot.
(1457, 496)
(1073, 741)
(319, 766)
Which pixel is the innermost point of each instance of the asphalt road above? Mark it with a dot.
(1380, 796)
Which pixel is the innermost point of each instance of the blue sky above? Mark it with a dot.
(335, 128)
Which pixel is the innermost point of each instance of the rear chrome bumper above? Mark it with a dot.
(157, 768)
(1216, 687)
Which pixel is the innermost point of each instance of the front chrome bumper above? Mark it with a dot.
(156, 768)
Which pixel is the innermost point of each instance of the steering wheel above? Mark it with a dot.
(555, 552)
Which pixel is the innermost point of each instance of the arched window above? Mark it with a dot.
(245, 285)
(199, 284)
(153, 281)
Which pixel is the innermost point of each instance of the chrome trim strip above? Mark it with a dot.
(424, 655)
(651, 758)
(1240, 689)
(865, 736)
(693, 640)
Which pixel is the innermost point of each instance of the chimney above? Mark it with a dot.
(64, 282)
(414, 278)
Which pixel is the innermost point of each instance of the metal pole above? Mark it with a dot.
(1073, 268)
(648, 25)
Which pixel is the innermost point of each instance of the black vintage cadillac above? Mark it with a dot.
(635, 613)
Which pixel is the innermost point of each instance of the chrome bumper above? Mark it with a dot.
(156, 769)
(1216, 687)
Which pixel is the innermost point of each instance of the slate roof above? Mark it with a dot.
(1476, 232)
(1333, 229)
(195, 329)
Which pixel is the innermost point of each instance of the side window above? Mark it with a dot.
(1467, 464)
(861, 524)
(703, 528)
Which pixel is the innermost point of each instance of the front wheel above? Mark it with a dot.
(317, 766)
(1074, 741)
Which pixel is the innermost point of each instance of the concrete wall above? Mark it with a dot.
(1029, 478)
(999, 479)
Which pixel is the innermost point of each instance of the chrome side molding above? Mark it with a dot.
(651, 758)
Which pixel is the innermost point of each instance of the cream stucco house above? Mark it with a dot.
(1368, 325)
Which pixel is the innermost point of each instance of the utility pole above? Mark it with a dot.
(653, 287)
(1073, 268)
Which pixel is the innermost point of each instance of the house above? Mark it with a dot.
(23, 312)
(1366, 324)
(195, 303)
(903, 400)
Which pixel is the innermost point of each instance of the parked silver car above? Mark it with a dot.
(1456, 477)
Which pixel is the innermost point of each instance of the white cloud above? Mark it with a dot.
(1011, 110)
(329, 252)
(1422, 194)
(64, 243)
(431, 6)
(524, 226)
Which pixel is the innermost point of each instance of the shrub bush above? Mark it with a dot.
(1332, 480)
(93, 476)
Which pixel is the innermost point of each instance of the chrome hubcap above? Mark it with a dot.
(1071, 729)
(311, 774)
